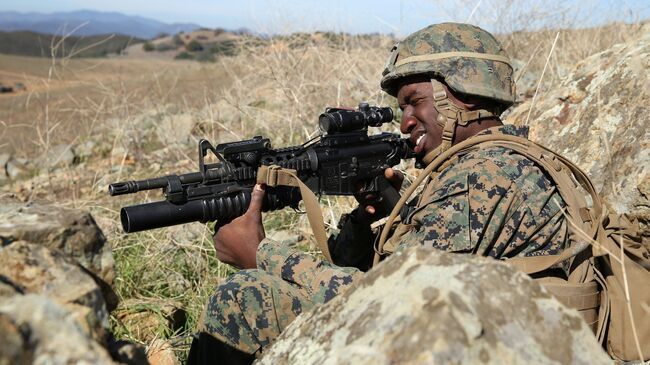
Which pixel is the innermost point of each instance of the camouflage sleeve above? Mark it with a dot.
(322, 279)
(477, 206)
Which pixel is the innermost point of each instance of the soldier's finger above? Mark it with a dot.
(370, 209)
(370, 197)
(395, 177)
(257, 199)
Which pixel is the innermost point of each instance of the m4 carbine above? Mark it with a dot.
(342, 160)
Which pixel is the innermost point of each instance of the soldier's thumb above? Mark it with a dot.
(257, 200)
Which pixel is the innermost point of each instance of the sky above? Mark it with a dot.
(399, 17)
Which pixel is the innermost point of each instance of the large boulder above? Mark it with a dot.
(70, 231)
(598, 118)
(29, 268)
(424, 306)
(36, 330)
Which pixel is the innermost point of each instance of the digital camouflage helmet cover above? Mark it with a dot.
(465, 57)
(469, 59)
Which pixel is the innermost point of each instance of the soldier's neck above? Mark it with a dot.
(464, 132)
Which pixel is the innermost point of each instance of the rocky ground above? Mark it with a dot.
(75, 289)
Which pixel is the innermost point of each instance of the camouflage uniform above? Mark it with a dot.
(489, 202)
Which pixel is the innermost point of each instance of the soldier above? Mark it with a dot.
(452, 81)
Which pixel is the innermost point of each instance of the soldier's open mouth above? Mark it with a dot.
(419, 144)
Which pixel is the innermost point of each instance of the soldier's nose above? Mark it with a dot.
(407, 124)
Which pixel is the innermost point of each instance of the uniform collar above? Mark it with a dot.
(509, 129)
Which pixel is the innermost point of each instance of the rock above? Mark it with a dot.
(424, 306)
(188, 233)
(128, 353)
(73, 232)
(35, 330)
(160, 352)
(4, 158)
(61, 155)
(175, 129)
(17, 169)
(86, 150)
(9, 290)
(151, 317)
(525, 79)
(11, 338)
(34, 269)
(598, 118)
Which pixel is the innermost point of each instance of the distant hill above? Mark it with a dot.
(96, 23)
(27, 43)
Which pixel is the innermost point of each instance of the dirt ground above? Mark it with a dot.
(64, 98)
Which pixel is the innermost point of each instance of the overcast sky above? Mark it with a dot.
(358, 16)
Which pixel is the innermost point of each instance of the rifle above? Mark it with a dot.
(342, 160)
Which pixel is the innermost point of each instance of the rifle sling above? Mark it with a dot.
(277, 176)
(581, 220)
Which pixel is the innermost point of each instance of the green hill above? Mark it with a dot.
(26, 43)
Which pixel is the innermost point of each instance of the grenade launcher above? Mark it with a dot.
(342, 160)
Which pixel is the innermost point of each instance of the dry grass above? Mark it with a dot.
(145, 117)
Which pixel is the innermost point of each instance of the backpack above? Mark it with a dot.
(609, 275)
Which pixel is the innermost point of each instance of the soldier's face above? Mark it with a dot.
(419, 115)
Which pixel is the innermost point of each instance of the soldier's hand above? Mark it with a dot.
(236, 242)
(369, 201)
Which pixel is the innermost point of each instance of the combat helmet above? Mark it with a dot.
(465, 57)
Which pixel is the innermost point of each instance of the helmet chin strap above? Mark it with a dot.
(449, 116)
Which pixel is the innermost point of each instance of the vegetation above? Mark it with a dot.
(165, 46)
(177, 40)
(27, 43)
(184, 56)
(194, 46)
(205, 56)
(148, 47)
(225, 48)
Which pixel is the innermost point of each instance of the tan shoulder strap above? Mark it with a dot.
(584, 229)
(276, 176)
(583, 224)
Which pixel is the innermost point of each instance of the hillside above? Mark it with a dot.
(201, 44)
(28, 43)
(88, 22)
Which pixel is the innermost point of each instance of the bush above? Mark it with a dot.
(225, 48)
(194, 46)
(177, 40)
(148, 47)
(164, 46)
(204, 56)
(184, 56)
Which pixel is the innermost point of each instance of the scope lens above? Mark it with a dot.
(327, 123)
